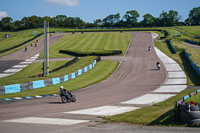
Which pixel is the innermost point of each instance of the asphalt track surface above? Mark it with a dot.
(192, 45)
(136, 75)
(8, 61)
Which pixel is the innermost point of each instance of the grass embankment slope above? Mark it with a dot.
(190, 29)
(15, 39)
(90, 43)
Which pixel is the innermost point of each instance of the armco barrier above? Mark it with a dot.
(194, 66)
(171, 47)
(44, 83)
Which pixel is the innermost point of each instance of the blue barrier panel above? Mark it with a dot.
(73, 75)
(85, 69)
(196, 68)
(90, 66)
(198, 90)
(95, 62)
(56, 81)
(66, 78)
(193, 65)
(79, 71)
(199, 71)
(186, 97)
(12, 88)
(38, 84)
(190, 61)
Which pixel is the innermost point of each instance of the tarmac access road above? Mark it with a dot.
(136, 75)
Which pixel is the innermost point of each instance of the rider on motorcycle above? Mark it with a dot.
(158, 64)
(64, 92)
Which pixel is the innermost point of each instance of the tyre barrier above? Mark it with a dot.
(190, 41)
(44, 83)
(194, 66)
(187, 112)
(171, 47)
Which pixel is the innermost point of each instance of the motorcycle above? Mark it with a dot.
(65, 99)
(158, 65)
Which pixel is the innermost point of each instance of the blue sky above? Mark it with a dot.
(89, 10)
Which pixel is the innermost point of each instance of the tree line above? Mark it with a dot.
(130, 19)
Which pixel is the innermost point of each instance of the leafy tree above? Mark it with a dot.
(149, 20)
(131, 18)
(188, 21)
(169, 19)
(7, 25)
(194, 16)
(97, 22)
(111, 20)
(6, 20)
(60, 19)
(173, 18)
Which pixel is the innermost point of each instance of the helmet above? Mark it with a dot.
(61, 87)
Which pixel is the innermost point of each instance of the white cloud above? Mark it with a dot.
(3, 14)
(65, 2)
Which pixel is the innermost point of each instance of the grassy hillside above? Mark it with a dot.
(190, 29)
(90, 42)
(16, 38)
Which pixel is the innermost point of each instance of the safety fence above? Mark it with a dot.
(171, 47)
(194, 66)
(44, 83)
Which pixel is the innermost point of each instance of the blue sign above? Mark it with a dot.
(90, 66)
(186, 97)
(79, 71)
(85, 69)
(38, 84)
(12, 88)
(73, 75)
(56, 81)
(66, 78)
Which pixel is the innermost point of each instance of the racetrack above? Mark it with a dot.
(135, 76)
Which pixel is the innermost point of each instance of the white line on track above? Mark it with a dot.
(26, 62)
(149, 99)
(171, 88)
(20, 66)
(51, 121)
(12, 70)
(104, 110)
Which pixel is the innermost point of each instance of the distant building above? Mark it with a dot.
(7, 35)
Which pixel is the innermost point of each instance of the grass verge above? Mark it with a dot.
(31, 72)
(157, 114)
(103, 69)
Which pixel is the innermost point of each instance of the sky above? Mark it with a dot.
(89, 10)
